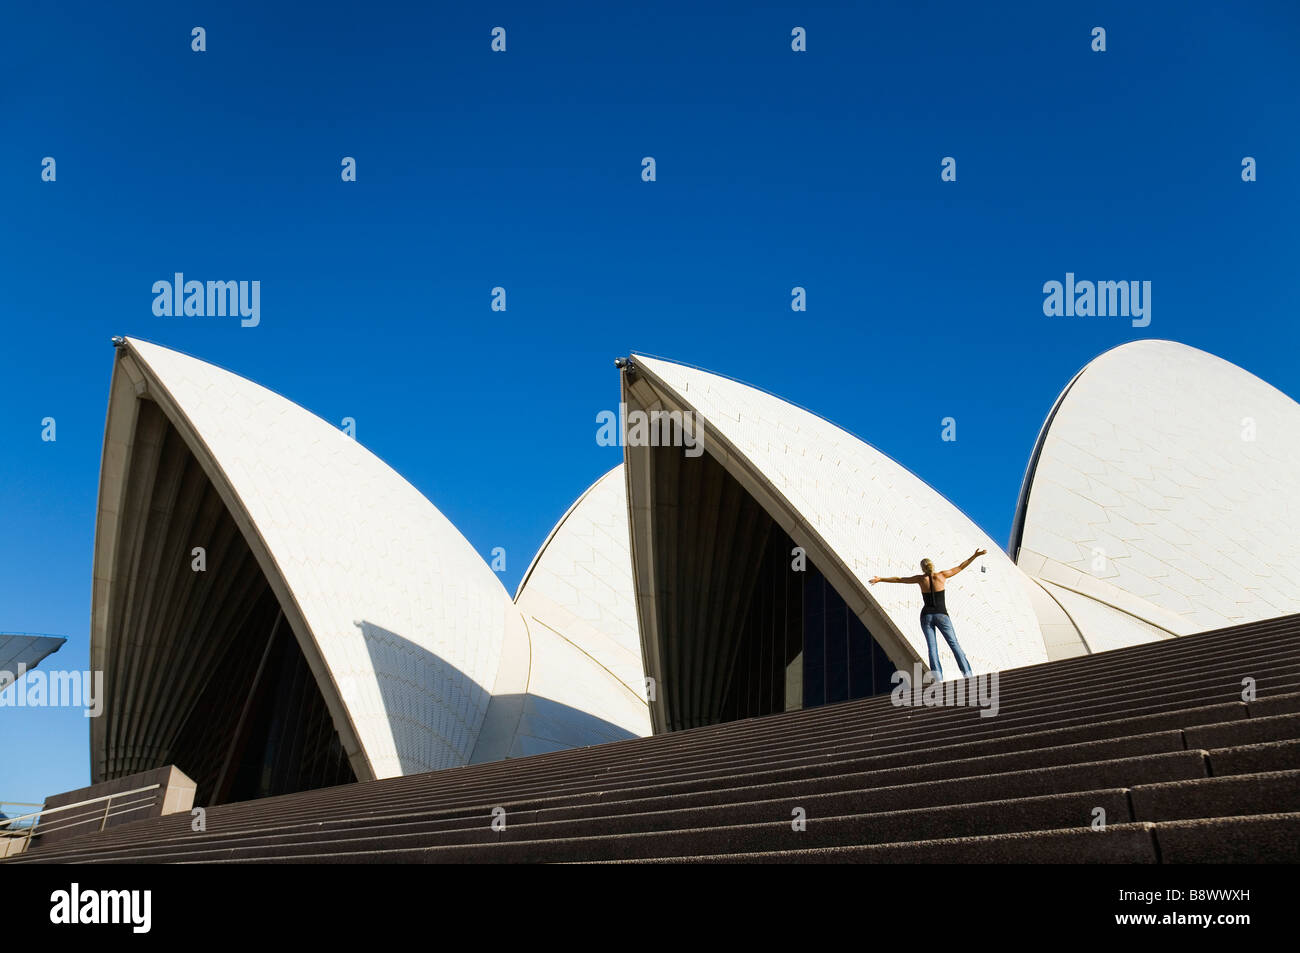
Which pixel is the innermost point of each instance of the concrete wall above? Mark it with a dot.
(174, 794)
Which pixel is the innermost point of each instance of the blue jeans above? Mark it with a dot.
(929, 620)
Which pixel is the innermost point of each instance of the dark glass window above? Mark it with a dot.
(814, 639)
(741, 631)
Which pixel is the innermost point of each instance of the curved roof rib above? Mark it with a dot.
(1164, 486)
(400, 620)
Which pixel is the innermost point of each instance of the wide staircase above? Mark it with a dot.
(1156, 736)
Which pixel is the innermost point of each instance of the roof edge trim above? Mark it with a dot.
(167, 403)
(780, 507)
(541, 550)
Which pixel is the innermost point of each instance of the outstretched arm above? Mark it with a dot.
(949, 573)
(912, 579)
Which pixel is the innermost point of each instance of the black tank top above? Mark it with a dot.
(934, 601)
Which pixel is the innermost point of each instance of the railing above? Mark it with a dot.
(4, 809)
(96, 810)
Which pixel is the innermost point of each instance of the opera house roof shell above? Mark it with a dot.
(1158, 502)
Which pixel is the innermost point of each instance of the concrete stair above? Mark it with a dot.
(1157, 736)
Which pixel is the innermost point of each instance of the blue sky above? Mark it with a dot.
(522, 169)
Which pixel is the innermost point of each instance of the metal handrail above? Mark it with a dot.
(30, 830)
(8, 804)
(90, 817)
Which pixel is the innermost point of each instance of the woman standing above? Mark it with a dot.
(934, 612)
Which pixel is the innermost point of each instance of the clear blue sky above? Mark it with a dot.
(522, 169)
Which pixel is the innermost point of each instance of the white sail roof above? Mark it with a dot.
(25, 650)
(585, 683)
(399, 617)
(1165, 485)
(874, 516)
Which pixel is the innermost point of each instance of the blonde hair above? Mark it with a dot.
(927, 566)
